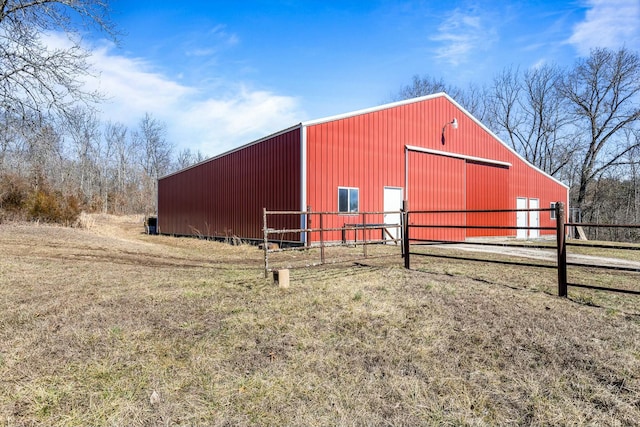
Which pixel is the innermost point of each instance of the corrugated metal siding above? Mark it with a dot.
(366, 151)
(487, 187)
(225, 196)
(437, 183)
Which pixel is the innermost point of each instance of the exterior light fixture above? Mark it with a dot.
(453, 123)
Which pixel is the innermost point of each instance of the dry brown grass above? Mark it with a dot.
(107, 326)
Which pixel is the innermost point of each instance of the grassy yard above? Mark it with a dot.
(107, 326)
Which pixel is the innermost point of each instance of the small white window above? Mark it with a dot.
(553, 210)
(348, 200)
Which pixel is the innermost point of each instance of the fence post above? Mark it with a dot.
(308, 226)
(321, 239)
(265, 243)
(405, 234)
(562, 250)
(364, 234)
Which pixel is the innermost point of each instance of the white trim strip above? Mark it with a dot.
(457, 156)
(303, 181)
(373, 109)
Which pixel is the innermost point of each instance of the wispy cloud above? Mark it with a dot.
(211, 119)
(214, 40)
(221, 33)
(608, 23)
(461, 35)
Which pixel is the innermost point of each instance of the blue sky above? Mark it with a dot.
(223, 73)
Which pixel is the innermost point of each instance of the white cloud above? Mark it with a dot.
(199, 118)
(226, 123)
(463, 34)
(608, 23)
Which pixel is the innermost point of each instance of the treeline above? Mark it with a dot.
(580, 124)
(50, 169)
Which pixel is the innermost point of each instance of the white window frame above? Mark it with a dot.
(349, 190)
(553, 211)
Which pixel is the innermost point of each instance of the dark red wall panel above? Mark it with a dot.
(225, 195)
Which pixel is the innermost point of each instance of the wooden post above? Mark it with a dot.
(281, 278)
(265, 243)
(562, 250)
(321, 239)
(405, 234)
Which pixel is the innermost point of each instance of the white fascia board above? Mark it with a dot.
(303, 181)
(374, 109)
(458, 156)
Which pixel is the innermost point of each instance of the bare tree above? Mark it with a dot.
(9, 134)
(421, 86)
(472, 99)
(603, 91)
(526, 110)
(83, 127)
(35, 78)
(186, 158)
(106, 151)
(124, 151)
(632, 173)
(155, 153)
(43, 148)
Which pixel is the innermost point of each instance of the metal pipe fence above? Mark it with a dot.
(561, 245)
(359, 230)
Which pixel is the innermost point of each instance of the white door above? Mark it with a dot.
(392, 203)
(534, 218)
(521, 218)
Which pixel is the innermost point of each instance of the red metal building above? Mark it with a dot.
(428, 150)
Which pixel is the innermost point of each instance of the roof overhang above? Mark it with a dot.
(458, 156)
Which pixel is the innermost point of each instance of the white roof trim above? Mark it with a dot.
(373, 109)
(457, 156)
